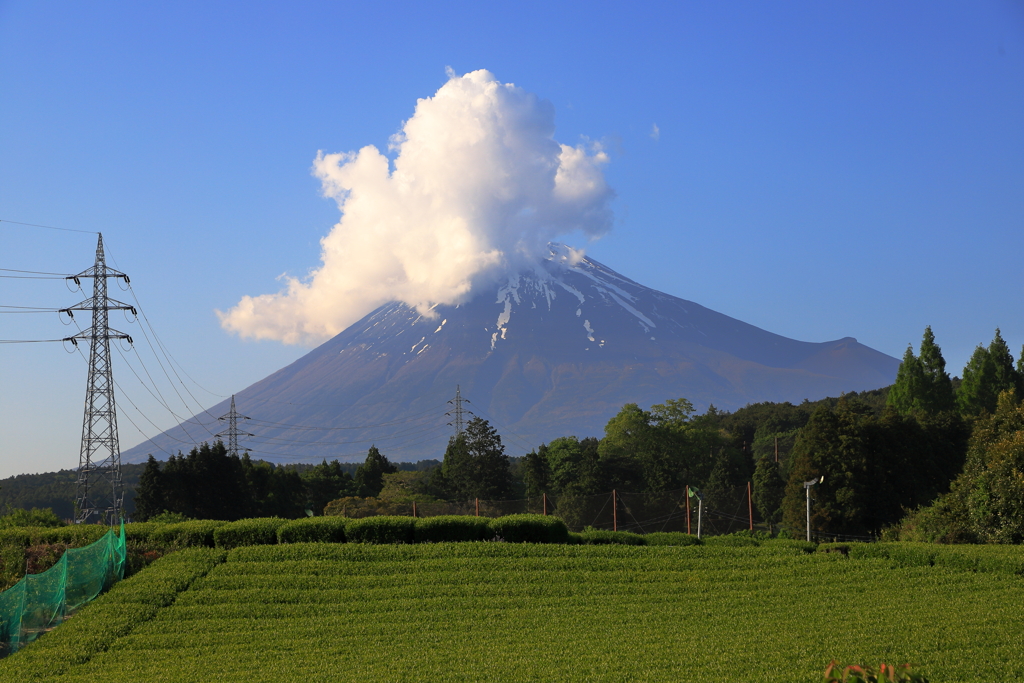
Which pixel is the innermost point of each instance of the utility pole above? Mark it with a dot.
(100, 494)
(232, 431)
(458, 413)
(807, 489)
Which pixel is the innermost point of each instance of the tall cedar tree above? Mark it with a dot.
(1007, 377)
(537, 472)
(940, 392)
(369, 479)
(726, 484)
(475, 464)
(988, 373)
(906, 392)
(324, 483)
(874, 467)
(149, 495)
(922, 384)
(769, 488)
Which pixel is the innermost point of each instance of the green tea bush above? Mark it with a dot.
(671, 538)
(1000, 559)
(75, 535)
(36, 517)
(606, 537)
(740, 539)
(113, 615)
(193, 533)
(253, 531)
(313, 530)
(838, 548)
(382, 529)
(530, 529)
(451, 528)
(790, 543)
(18, 536)
(575, 538)
(140, 531)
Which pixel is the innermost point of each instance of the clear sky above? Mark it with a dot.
(820, 170)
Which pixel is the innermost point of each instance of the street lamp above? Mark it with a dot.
(807, 489)
(694, 493)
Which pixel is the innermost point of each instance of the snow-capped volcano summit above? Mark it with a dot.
(552, 351)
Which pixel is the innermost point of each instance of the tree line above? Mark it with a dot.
(883, 453)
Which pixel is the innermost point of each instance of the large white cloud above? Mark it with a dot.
(479, 185)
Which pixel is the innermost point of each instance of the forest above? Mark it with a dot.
(929, 458)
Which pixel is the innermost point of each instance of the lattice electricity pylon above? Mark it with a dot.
(100, 494)
(459, 413)
(232, 431)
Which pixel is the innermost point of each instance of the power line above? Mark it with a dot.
(33, 272)
(49, 227)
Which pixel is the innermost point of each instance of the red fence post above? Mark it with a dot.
(477, 507)
(545, 504)
(414, 508)
(615, 511)
(687, 509)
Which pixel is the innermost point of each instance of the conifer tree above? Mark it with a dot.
(977, 389)
(922, 384)
(769, 488)
(906, 392)
(1006, 375)
(149, 495)
(989, 372)
(537, 471)
(475, 464)
(940, 395)
(369, 477)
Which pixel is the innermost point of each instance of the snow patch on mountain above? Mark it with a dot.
(589, 329)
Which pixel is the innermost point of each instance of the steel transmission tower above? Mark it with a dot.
(232, 431)
(458, 413)
(100, 495)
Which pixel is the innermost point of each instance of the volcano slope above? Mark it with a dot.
(554, 351)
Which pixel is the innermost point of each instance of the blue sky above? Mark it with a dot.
(821, 170)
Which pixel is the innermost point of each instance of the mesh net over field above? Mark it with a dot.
(723, 512)
(39, 602)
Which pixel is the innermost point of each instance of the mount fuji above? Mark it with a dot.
(552, 351)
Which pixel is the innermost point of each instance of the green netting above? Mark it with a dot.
(39, 602)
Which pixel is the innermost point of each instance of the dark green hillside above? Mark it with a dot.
(56, 490)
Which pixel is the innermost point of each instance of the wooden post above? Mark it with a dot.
(750, 507)
(545, 504)
(687, 509)
(615, 511)
(776, 450)
(477, 507)
(414, 508)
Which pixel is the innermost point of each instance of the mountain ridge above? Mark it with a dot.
(545, 352)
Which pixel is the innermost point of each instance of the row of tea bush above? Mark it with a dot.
(387, 529)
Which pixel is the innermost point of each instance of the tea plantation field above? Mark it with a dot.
(502, 611)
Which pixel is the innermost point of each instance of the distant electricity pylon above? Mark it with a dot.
(232, 431)
(458, 413)
(100, 494)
